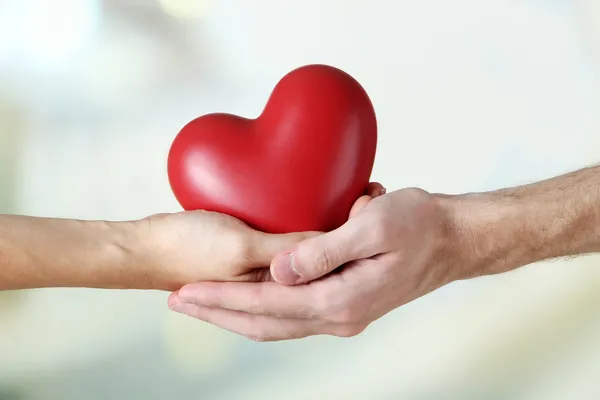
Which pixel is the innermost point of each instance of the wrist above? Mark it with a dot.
(156, 255)
(145, 249)
(123, 255)
(120, 256)
(486, 234)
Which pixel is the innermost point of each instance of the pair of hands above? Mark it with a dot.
(393, 249)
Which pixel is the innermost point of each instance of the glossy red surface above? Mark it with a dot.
(299, 166)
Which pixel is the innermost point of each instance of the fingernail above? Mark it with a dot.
(284, 270)
(382, 192)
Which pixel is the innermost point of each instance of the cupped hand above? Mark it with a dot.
(394, 249)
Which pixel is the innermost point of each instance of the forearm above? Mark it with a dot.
(45, 252)
(505, 229)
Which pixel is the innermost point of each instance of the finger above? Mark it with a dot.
(375, 189)
(260, 298)
(255, 327)
(359, 205)
(263, 247)
(318, 256)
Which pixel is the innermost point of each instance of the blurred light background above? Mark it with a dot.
(470, 95)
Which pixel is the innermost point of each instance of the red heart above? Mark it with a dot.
(299, 166)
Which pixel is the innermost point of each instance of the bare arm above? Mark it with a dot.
(45, 252)
(509, 228)
(161, 252)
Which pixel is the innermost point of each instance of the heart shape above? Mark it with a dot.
(299, 166)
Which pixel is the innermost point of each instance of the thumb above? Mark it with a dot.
(317, 256)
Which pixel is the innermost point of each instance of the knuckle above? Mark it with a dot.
(260, 335)
(258, 339)
(324, 262)
(348, 331)
(255, 333)
(255, 306)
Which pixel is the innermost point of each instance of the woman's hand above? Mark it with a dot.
(197, 246)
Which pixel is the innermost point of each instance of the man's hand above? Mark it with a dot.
(394, 249)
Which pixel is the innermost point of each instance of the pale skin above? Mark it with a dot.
(398, 247)
(393, 249)
(160, 252)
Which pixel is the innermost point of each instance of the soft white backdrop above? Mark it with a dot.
(469, 95)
